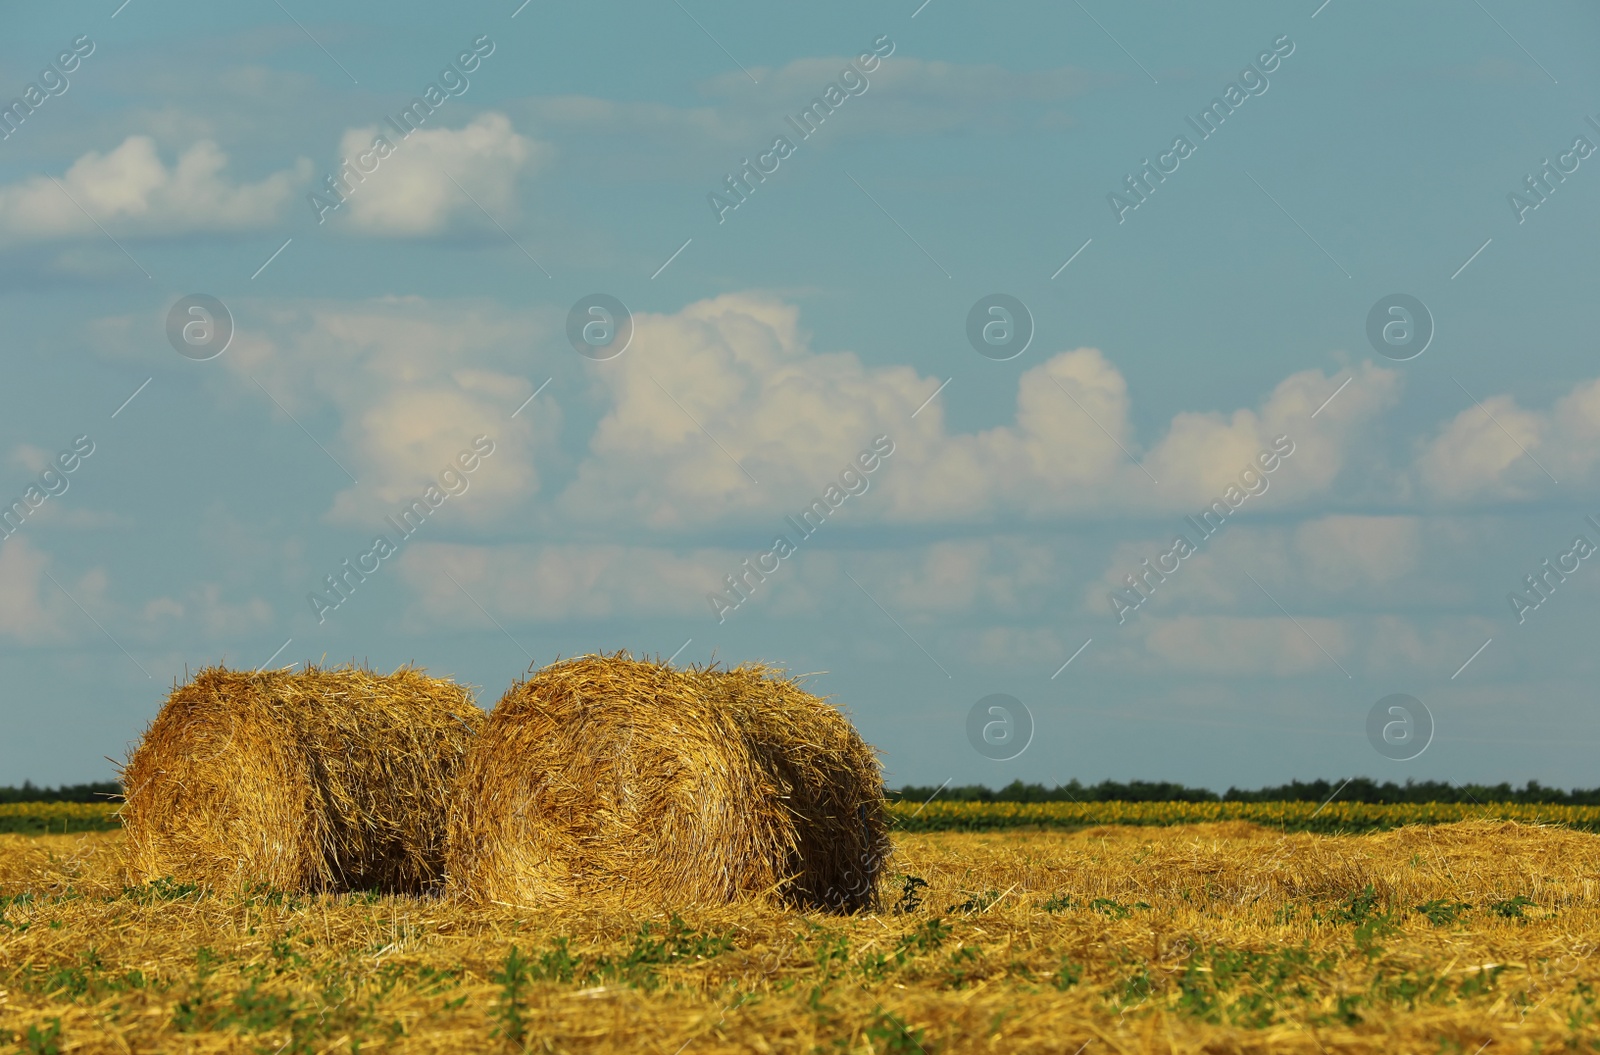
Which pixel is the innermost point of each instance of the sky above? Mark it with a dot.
(400, 333)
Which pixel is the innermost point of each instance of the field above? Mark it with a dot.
(1333, 818)
(1225, 936)
(45, 818)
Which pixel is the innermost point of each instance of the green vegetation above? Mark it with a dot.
(1359, 789)
(101, 791)
(1336, 818)
(57, 818)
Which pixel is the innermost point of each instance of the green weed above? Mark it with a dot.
(910, 896)
(891, 1035)
(1442, 911)
(513, 979)
(1511, 908)
(45, 1042)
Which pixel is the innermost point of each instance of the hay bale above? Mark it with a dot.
(321, 781)
(605, 778)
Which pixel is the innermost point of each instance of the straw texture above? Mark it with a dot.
(318, 781)
(610, 779)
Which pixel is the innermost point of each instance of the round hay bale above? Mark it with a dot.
(321, 781)
(610, 779)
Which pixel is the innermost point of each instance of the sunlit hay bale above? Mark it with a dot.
(609, 779)
(321, 781)
(828, 781)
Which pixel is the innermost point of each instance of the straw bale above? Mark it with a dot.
(318, 781)
(610, 779)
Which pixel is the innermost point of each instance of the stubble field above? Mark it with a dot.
(1214, 937)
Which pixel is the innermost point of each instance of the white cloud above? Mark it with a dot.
(1357, 553)
(731, 387)
(1473, 455)
(410, 193)
(737, 367)
(1496, 451)
(1273, 645)
(204, 612)
(394, 388)
(958, 576)
(30, 457)
(32, 610)
(23, 614)
(130, 191)
(1373, 560)
(732, 384)
(412, 382)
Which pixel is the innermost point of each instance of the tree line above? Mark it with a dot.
(1358, 789)
(100, 791)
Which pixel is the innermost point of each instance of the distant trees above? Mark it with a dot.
(100, 791)
(1359, 789)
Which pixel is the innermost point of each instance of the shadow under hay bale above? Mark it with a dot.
(609, 779)
(320, 781)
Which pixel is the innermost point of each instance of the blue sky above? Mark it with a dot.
(976, 155)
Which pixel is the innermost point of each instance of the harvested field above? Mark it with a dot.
(1333, 818)
(1219, 937)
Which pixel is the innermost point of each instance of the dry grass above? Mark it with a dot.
(1330, 818)
(1211, 938)
(322, 780)
(605, 778)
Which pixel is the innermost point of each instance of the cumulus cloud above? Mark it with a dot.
(1331, 559)
(1339, 554)
(204, 611)
(30, 457)
(410, 193)
(24, 616)
(1501, 450)
(733, 415)
(733, 420)
(393, 387)
(729, 414)
(961, 575)
(131, 191)
(1266, 643)
(1068, 454)
(32, 610)
(412, 382)
(35, 611)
